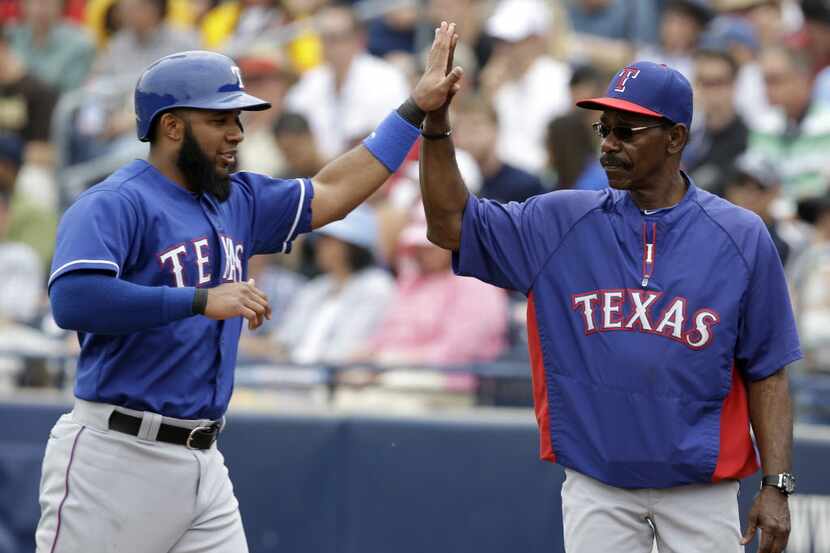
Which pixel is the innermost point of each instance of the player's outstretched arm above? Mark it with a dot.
(442, 188)
(348, 180)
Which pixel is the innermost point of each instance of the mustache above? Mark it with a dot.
(610, 159)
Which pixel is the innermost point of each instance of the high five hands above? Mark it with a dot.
(440, 81)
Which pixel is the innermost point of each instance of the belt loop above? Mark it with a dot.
(150, 423)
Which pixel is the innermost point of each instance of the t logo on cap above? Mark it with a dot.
(660, 92)
(625, 74)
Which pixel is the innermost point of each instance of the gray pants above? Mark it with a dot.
(685, 519)
(103, 491)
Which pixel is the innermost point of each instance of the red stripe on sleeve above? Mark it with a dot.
(736, 458)
(540, 389)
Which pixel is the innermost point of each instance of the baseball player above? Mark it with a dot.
(659, 328)
(151, 270)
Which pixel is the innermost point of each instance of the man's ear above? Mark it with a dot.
(171, 126)
(678, 135)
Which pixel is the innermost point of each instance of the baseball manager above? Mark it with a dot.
(659, 327)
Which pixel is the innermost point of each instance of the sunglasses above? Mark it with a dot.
(620, 132)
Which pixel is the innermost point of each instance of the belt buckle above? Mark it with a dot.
(213, 429)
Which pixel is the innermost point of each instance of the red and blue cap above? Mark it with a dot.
(647, 88)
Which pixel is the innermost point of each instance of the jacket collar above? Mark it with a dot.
(665, 218)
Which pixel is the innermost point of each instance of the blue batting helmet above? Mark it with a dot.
(196, 79)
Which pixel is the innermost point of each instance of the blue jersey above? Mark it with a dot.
(146, 229)
(643, 328)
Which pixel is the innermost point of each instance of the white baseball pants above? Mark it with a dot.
(104, 491)
(684, 519)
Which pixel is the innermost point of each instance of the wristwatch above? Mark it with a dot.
(785, 482)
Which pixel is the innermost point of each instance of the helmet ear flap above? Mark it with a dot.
(153, 129)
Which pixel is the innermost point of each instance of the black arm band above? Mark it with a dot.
(200, 301)
(410, 111)
(436, 136)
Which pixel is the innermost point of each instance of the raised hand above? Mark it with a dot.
(236, 299)
(440, 80)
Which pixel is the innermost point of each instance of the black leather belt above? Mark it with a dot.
(201, 437)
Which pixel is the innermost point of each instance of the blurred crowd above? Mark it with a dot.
(371, 289)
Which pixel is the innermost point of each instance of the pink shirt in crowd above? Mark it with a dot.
(442, 319)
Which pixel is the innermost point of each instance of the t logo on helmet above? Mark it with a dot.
(238, 74)
(625, 74)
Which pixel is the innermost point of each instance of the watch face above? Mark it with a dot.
(788, 482)
(785, 482)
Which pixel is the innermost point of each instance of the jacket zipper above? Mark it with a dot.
(649, 251)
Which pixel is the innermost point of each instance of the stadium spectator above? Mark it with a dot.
(809, 277)
(299, 155)
(436, 318)
(103, 18)
(573, 159)
(104, 21)
(27, 221)
(626, 20)
(586, 82)
(295, 141)
(144, 37)
(772, 20)
(56, 51)
(681, 25)
(476, 131)
(394, 31)
(737, 36)
(815, 33)
(305, 50)
(352, 92)
(527, 86)
(22, 289)
(335, 313)
(471, 17)
(472, 51)
(797, 138)
(11, 158)
(26, 105)
(607, 32)
(235, 26)
(722, 135)
(754, 185)
(815, 37)
(106, 123)
(281, 284)
(193, 14)
(267, 75)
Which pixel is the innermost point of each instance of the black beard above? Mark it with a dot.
(199, 171)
